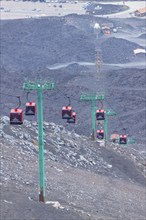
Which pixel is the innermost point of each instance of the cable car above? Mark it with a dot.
(30, 108)
(114, 137)
(106, 30)
(66, 112)
(72, 119)
(100, 114)
(100, 134)
(123, 139)
(16, 116)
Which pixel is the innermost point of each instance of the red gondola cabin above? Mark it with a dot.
(100, 134)
(66, 112)
(123, 139)
(100, 114)
(30, 108)
(72, 119)
(16, 116)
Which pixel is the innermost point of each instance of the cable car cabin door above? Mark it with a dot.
(123, 139)
(100, 114)
(66, 112)
(100, 134)
(16, 116)
(30, 108)
(72, 119)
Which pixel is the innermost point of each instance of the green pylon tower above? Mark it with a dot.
(39, 87)
(92, 98)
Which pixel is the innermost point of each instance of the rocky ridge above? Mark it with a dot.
(75, 150)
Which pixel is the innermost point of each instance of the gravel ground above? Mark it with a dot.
(118, 50)
(27, 9)
(83, 180)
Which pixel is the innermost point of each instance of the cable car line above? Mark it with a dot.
(67, 113)
(9, 95)
(19, 102)
(100, 104)
(27, 96)
(66, 96)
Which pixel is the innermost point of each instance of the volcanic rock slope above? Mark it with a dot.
(30, 47)
(83, 180)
